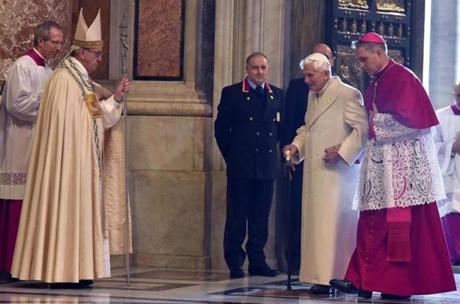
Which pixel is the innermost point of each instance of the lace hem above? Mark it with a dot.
(382, 206)
(10, 178)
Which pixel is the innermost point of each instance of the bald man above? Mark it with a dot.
(296, 107)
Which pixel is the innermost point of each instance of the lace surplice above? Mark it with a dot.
(400, 168)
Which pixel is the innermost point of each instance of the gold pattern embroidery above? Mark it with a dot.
(93, 106)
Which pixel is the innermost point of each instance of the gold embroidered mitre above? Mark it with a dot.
(88, 37)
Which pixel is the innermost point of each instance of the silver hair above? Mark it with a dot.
(42, 31)
(318, 65)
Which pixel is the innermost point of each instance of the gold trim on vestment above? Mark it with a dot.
(93, 106)
(88, 44)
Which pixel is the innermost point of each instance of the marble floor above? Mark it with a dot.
(150, 285)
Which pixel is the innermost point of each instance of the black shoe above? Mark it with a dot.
(236, 273)
(364, 294)
(5, 277)
(321, 289)
(80, 285)
(85, 283)
(343, 286)
(388, 296)
(263, 271)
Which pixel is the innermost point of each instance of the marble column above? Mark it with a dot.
(169, 137)
(444, 50)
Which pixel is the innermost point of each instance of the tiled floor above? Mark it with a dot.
(175, 286)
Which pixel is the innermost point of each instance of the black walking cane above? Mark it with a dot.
(289, 230)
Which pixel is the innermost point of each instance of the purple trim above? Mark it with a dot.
(34, 55)
(455, 109)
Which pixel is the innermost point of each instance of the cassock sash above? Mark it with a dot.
(399, 222)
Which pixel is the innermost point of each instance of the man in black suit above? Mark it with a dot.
(246, 130)
(296, 107)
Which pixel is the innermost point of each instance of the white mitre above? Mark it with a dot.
(88, 37)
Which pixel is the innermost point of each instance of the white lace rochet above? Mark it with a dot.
(400, 168)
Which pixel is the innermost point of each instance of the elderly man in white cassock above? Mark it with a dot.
(330, 142)
(63, 233)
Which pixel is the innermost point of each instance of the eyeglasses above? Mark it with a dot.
(97, 53)
(56, 42)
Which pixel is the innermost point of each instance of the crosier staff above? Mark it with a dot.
(124, 74)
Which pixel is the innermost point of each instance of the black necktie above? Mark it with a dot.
(260, 90)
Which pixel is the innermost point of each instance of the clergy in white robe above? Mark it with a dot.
(25, 81)
(447, 140)
(63, 232)
(331, 142)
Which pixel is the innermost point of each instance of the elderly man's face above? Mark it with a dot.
(91, 58)
(257, 69)
(370, 61)
(315, 79)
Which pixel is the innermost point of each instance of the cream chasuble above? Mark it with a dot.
(63, 232)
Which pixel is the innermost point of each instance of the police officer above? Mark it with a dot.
(246, 130)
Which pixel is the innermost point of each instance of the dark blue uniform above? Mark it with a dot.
(294, 117)
(246, 131)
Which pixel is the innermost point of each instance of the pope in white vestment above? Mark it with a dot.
(331, 141)
(63, 234)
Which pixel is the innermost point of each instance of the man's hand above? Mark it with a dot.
(290, 151)
(456, 146)
(122, 88)
(331, 155)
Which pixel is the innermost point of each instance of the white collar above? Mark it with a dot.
(324, 88)
(253, 85)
